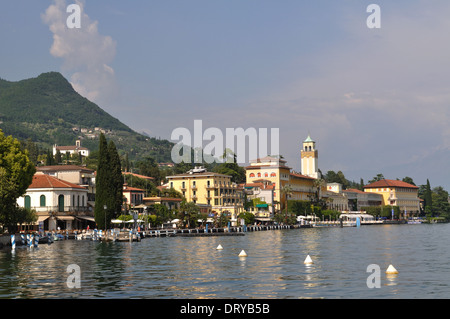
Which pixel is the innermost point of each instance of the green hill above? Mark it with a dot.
(47, 110)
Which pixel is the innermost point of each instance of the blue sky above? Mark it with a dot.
(375, 100)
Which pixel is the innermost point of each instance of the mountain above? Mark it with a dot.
(47, 110)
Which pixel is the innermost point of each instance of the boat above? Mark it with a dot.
(414, 220)
(346, 223)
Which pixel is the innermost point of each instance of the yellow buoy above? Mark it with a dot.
(243, 254)
(391, 270)
(219, 247)
(308, 260)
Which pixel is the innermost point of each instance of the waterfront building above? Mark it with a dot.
(261, 194)
(358, 199)
(274, 170)
(133, 197)
(78, 175)
(71, 149)
(397, 193)
(335, 198)
(58, 203)
(211, 189)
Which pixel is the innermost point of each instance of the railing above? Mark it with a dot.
(70, 209)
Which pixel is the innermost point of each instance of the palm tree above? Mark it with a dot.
(287, 191)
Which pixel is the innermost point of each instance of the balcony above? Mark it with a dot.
(65, 209)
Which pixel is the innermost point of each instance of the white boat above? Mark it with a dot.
(414, 221)
(346, 223)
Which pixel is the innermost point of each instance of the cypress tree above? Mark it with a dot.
(116, 179)
(102, 184)
(109, 184)
(428, 198)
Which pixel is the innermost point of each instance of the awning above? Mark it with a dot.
(40, 219)
(65, 218)
(264, 219)
(262, 205)
(89, 218)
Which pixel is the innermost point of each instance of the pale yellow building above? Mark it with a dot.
(208, 188)
(275, 170)
(397, 193)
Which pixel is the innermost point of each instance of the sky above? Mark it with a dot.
(375, 100)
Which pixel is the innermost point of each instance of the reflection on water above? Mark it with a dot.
(193, 268)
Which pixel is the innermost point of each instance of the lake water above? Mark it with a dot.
(180, 267)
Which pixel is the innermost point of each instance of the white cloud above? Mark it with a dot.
(86, 53)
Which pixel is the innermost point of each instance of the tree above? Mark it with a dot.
(230, 167)
(102, 185)
(249, 218)
(49, 160)
(428, 199)
(315, 198)
(189, 213)
(408, 180)
(333, 177)
(116, 179)
(162, 213)
(377, 178)
(149, 167)
(16, 174)
(286, 190)
(58, 157)
(440, 205)
(109, 184)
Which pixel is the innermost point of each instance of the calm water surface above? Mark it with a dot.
(180, 267)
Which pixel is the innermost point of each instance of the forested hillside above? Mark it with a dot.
(47, 110)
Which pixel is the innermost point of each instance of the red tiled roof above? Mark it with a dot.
(354, 190)
(302, 176)
(132, 189)
(390, 183)
(47, 181)
(138, 175)
(260, 185)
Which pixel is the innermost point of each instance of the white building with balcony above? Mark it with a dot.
(58, 203)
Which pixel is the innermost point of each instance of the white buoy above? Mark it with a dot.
(308, 260)
(219, 247)
(243, 254)
(391, 270)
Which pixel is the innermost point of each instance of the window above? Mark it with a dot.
(266, 175)
(273, 175)
(252, 175)
(27, 202)
(259, 174)
(61, 203)
(42, 201)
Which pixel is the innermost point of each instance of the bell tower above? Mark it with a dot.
(310, 158)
